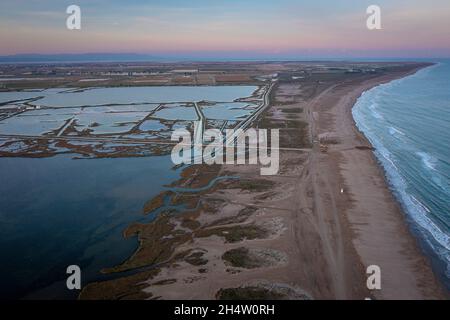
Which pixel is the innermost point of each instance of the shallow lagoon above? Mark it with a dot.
(227, 111)
(28, 94)
(180, 112)
(28, 125)
(58, 211)
(108, 123)
(118, 110)
(128, 95)
(152, 125)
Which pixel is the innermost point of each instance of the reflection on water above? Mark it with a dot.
(128, 95)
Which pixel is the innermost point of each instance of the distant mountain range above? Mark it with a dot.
(173, 57)
(84, 57)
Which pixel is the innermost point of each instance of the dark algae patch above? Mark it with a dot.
(234, 234)
(240, 258)
(125, 288)
(196, 259)
(249, 293)
(262, 291)
(253, 258)
(254, 185)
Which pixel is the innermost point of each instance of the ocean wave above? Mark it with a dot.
(437, 238)
(428, 160)
(415, 208)
(395, 131)
(375, 113)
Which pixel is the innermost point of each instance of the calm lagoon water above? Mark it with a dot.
(227, 111)
(128, 95)
(408, 122)
(152, 125)
(177, 113)
(28, 94)
(58, 211)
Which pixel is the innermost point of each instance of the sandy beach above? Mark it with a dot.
(377, 224)
(309, 232)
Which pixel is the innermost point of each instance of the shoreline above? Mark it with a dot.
(417, 231)
(419, 262)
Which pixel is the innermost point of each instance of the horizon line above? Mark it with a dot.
(193, 57)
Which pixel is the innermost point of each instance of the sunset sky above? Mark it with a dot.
(247, 28)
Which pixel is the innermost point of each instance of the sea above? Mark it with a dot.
(408, 123)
